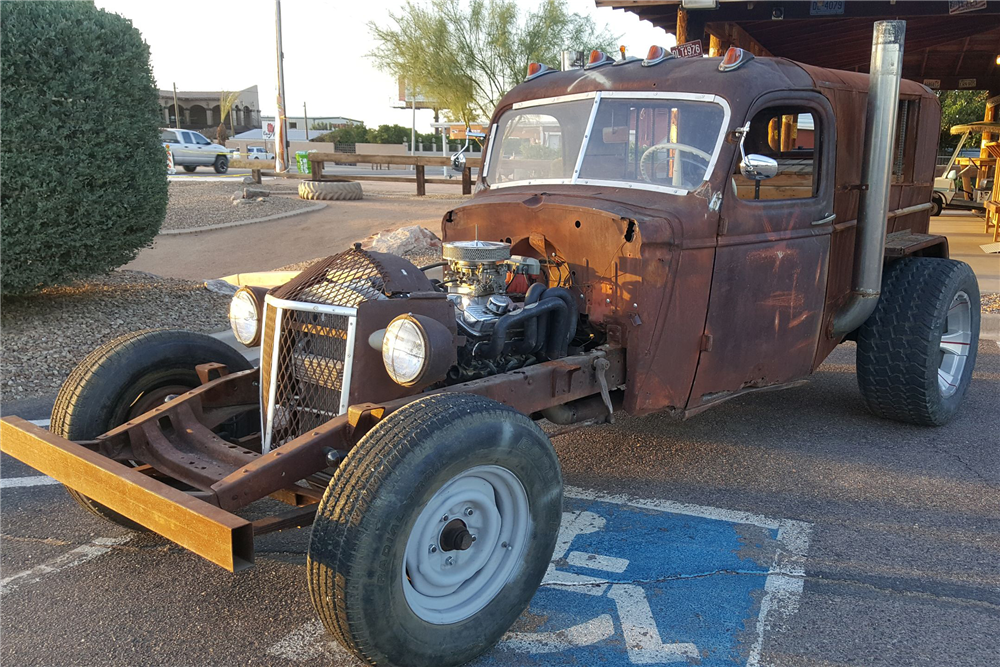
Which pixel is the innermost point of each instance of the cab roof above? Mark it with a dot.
(699, 75)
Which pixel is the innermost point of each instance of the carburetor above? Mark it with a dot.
(476, 268)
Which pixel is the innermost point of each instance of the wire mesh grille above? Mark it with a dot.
(308, 373)
(346, 279)
(309, 376)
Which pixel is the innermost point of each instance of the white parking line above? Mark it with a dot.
(35, 480)
(78, 556)
(307, 642)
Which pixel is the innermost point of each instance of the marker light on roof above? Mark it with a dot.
(535, 70)
(597, 59)
(656, 54)
(734, 59)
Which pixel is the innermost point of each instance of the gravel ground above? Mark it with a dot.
(45, 335)
(991, 302)
(194, 205)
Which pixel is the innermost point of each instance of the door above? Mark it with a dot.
(203, 150)
(187, 149)
(769, 281)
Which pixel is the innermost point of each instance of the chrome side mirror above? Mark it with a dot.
(458, 161)
(758, 167)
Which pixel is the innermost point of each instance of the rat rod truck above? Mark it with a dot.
(647, 235)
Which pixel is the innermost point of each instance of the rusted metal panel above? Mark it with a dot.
(214, 534)
(527, 390)
(765, 316)
(904, 244)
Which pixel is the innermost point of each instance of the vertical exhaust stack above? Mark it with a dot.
(880, 130)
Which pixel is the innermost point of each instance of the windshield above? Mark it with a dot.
(656, 141)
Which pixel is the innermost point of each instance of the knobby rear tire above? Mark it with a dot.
(899, 346)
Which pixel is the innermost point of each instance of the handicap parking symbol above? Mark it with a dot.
(649, 582)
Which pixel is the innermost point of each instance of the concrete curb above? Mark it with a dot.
(241, 223)
(989, 326)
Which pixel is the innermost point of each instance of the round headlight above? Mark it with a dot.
(404, 350)
(244, 318)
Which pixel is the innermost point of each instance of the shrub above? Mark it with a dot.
(83, 170)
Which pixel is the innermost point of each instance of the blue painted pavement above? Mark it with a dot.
(649, 582)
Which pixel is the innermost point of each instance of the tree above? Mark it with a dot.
(226, 102)
(349, 134)
(84, 182)
(957, 108)
(465, 60)
(389, 134)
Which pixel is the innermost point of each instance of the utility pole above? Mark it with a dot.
(281, 138)
(177, 109)
(305, 115)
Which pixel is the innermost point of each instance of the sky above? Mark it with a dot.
(217, 44)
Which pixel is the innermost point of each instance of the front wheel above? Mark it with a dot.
(435, 532)
(917, 350)
(126, 377)
(221, 165)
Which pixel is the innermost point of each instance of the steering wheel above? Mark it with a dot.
(647, 157)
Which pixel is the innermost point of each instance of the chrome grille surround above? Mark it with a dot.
(307, 367)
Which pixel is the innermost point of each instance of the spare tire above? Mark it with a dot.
(331, 190)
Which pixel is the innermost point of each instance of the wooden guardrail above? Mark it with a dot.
(318, 161)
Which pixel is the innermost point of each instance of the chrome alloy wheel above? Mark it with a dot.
(955, 342)
(465, 545)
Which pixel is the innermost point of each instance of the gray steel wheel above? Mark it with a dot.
(435, 532)
(955, 342)
(465, 544)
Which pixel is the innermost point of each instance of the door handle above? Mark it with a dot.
(827, 219)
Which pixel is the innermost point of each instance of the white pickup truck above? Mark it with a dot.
(252, 153)
(192, 150)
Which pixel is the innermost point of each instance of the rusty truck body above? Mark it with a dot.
(647, 235)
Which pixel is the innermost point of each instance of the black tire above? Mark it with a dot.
(937, 204)
(189, 168)
(221, 165)
(106, 389)
(899, 346)
(355, 563)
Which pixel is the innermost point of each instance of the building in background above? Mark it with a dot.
(200, 110)
(317, 123)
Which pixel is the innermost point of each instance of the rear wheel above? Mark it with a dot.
(127, 377)
(221, 165)
(917, 350)
(189, 168)
(435, 532)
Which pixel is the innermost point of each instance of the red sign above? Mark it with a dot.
(688, 50)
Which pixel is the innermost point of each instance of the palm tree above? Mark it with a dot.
(226, 102)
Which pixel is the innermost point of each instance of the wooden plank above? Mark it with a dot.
(214, 534)
(406, 160)
(363, 177)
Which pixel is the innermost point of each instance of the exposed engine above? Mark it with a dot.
(508, 317)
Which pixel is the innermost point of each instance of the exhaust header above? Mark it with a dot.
(873, 210)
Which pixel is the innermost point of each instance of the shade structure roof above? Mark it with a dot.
(948, 46)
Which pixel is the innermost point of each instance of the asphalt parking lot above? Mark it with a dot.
(787, 528)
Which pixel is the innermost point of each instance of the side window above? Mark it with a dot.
(168, 137)
(200, 139)
(186, 137)
(791, 136)
(906, 142)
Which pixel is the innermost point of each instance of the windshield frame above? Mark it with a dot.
(597, 96)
